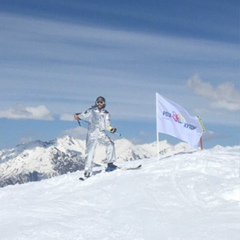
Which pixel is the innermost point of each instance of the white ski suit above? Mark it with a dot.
(99, 122)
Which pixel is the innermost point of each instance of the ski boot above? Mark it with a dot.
(87, 174)
(111, 167)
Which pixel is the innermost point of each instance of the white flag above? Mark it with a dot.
(174, 120)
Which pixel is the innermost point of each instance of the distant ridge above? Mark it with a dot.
(37, 160)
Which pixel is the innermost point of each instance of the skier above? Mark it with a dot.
(99, 121)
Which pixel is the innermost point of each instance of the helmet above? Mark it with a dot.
(102, 99)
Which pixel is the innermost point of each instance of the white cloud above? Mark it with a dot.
(77, 132)
(224, 96)
(67, 117)
(22, 112)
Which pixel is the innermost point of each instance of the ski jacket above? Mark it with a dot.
(98, 119)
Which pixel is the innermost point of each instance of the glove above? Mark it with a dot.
(77, 117)
(112, 129)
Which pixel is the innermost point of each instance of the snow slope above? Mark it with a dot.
(191, 196)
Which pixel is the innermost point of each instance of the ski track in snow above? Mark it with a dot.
(185, 197)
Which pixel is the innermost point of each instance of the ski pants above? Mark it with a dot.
(93, 139)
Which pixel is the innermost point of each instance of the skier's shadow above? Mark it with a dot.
(97, 172)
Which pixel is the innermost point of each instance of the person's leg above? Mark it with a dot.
(91, 143)
(110, 151)
(110, 147)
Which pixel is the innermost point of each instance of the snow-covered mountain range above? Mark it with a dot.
(39, 160)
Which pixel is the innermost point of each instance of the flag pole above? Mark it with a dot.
(158, 149)
(204, 130)
(201, 143)
(158, 155)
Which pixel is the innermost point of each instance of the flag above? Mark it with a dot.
(174, 120)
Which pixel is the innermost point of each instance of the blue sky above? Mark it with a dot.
(57, 57)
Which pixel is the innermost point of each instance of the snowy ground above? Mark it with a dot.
(185, 197)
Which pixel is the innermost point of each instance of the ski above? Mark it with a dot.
(82, 178)
(121, 168)
(130, 168)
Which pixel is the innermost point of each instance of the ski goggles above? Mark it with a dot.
(101, 102)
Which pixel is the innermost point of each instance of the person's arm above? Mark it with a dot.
(83, 115)
(108, 124)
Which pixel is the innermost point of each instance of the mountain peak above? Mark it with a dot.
(62, 155)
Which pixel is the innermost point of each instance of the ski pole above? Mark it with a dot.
(79, 123)
(119, 134)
